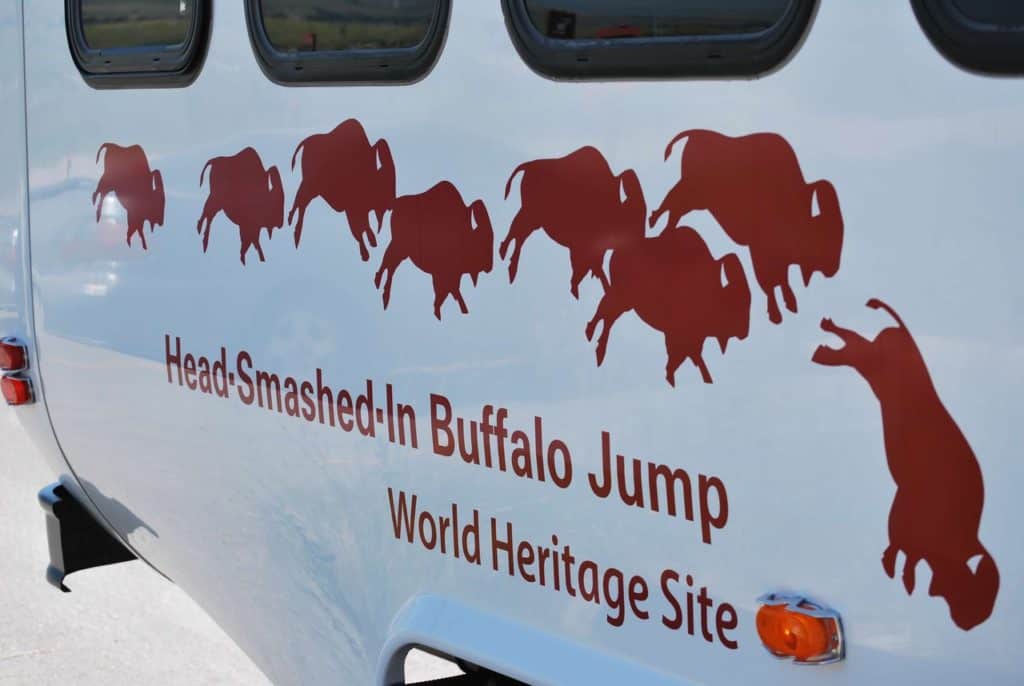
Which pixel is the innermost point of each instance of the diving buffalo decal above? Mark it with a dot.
(755, 189)
(936, 513)
(139, 189)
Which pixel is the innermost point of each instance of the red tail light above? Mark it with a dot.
(16, 390)
(13, 355)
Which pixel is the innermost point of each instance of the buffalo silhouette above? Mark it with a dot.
(351, 176)
(140, 191)
(675, 285)
(581, 205)
(754, 188)
(443, 237)
(936, 512)
(250, 196)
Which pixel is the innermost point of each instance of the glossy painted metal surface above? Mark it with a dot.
(16, 314)
(281, 528)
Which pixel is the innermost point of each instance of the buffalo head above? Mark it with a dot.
(733, 307)
(970, 595)
(823, 242)
(482, 249)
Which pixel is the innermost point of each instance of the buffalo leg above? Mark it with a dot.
(767, 282)
(392, 258)
(676, 357)
(910, 573)
(245, 241)
(457, 294)
(598, 271)
(100, 193)
(259, 250)
(302, 199)
(580, 268)
(774, 314)
(677, 354)
(768, 288)
(608, 311)
(139, 228)
(371, 237)
(698, 360)
(206, 236)
(889, 561)
(210, 210)
(787, 295)
(359, 225)
(441, 292)
(521, 229)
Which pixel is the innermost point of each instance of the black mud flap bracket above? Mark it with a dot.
(77, 541)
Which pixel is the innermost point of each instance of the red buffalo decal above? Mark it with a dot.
(754, 188)
(140, 191)
(581, 205)
(676, 286)
(351, 176)
(443, 237)
(250, 196)
(939, 493)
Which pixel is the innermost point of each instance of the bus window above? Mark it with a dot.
(579, 19)
(338, 41)
(135, 43)
(637, 38)
(979, 35)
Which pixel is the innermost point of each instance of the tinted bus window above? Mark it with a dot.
(980, 35)
(135, 23)
(583, 19)
(599, 39)
(332, 25)
(347, 41)
(137, 43)
(1001, 13)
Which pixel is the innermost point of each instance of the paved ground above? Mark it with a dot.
(121, 625)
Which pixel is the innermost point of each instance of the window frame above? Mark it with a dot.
(152, 66)
(356, 66)
(970, 44)
(727, 55)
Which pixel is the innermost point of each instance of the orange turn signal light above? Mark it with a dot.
(13, 355)
(16, 390)
(794, 628)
